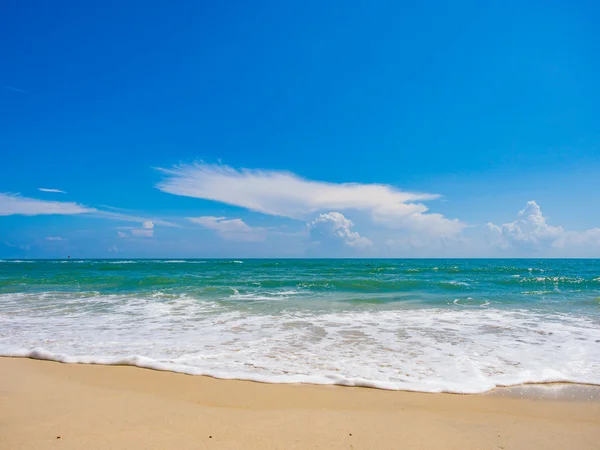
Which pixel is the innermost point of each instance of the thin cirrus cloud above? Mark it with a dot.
(15, 204)
(231, 229)
(56, 191)
(285, 194)
(14, 89)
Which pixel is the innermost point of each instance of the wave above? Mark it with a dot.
(468, 346)
(332, 379)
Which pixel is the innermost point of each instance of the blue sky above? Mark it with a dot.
(189, 129)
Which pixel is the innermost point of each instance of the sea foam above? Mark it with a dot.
(422, 349)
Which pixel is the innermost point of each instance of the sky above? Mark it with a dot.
(299, 129)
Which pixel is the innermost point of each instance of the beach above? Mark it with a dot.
(284, 354)
(45, 404)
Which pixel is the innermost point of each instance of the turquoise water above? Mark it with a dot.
(428, 325)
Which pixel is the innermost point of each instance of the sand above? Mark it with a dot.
(46, 405)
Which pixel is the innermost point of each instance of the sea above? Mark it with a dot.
(429, 325)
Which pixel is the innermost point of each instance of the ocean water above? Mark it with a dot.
(465, 325)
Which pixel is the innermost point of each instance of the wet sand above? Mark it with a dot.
(45, 404)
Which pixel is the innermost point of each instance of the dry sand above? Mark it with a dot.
(50, 405)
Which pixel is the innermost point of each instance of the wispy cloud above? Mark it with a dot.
(287, 195)
(58, 191)
(124, 217)
(231, 229)
(147, 231)
(55, 238)
(142, 233)
(15, 204)
(11, 204)
(19, 246)
(14, 89)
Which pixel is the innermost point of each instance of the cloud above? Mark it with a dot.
(19, 246)
(231, 229)
(122, 234)
(14, 204)
(287, 195)
(335, 226)
(58, 191)
(112, 215)
(55, 238)
(11, 204)
(532, 232)
(147, 231)
(14, 89)
(143, 233)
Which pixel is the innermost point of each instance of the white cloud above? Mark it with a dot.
(231, 229)
(532, 232)
(146, 231)
(335, 226)
(143, 233)
(287, 195)
(55, 238)
(57, 191)
(121, 234)
(112, 215)
(15, 204)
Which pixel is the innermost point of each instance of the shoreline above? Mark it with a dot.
(96, 406)
(536, 389)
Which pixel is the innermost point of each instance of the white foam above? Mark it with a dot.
(263, 296)
(457, 349)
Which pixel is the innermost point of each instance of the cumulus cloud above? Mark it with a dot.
(335, 226)
(231, 229)
(287, 195)
(11, 204)
(531, 231)
(57, 191)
